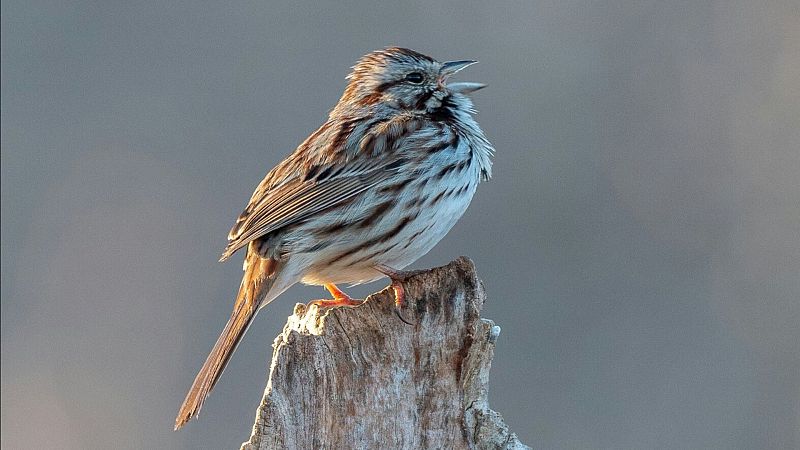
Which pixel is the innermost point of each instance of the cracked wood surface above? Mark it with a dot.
(361, 378)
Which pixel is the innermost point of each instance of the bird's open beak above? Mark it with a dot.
(451, 68)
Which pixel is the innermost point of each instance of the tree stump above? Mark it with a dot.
(362, 378)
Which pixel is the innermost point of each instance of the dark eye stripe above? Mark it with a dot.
(384, 86)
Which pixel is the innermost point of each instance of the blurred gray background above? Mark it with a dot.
(640, 241)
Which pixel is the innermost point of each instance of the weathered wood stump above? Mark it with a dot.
(361, 378)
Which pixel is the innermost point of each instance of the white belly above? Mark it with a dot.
(352, 257)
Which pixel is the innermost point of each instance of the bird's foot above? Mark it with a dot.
(398, 277)
(339, 298)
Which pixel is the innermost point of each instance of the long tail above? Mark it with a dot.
(258, 279)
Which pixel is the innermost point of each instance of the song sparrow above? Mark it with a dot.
(373, 189)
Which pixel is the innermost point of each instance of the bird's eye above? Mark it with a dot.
(415, 77)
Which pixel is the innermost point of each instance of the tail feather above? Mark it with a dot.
(258, 279)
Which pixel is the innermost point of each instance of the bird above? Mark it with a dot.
(373, 189)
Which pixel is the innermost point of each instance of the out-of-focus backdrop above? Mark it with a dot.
(640, 240)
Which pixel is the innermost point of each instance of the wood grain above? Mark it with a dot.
(361, 378)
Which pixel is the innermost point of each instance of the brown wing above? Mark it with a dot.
(311, 180)
(303, 196)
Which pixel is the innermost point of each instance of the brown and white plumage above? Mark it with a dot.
(377, 185)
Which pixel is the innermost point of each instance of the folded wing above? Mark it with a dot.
(307, 193)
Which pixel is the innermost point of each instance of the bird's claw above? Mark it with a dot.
(339, 299)
(397, 277)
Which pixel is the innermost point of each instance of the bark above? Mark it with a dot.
(361, 378)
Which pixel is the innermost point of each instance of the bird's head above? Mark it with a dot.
(402, 79)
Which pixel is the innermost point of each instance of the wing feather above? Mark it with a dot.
(296, 200)
(312, 180)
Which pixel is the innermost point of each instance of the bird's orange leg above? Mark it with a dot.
(339, 298)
